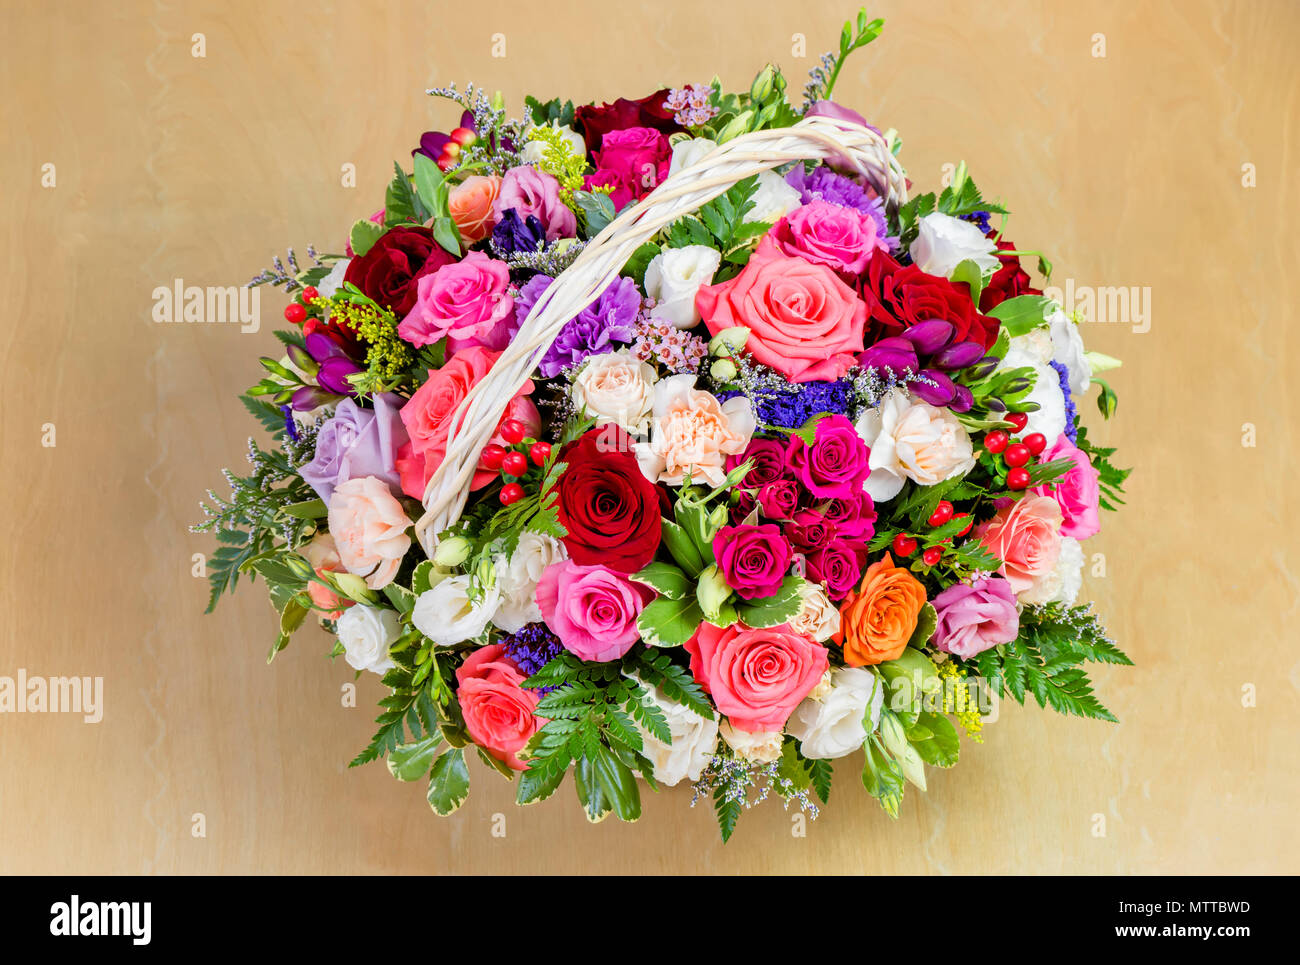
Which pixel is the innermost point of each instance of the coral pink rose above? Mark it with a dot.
(498, 711)
(369, 529)
(465, 301)
(756, 676)
(1077, 492)
(428, 417)
(470, 206)
(592, 609)
(803, 320)
(843, 239)
(1026, 536)
(323, 556)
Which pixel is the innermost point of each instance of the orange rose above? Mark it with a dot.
(470, 206)
(878, 619)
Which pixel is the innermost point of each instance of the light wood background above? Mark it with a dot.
(1127, 169)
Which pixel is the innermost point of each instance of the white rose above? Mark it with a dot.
(1067, 348)
(1067, 580)
(911, 439)
(517, 579)
(674, 276)
(447, 615)
(694, 739)
(752, 747)
(689, 151)
(944, 242)
(332, 282)
(533, 150)
(836, 724)
(616, 387)
(817, 617)
(366, 633)
(773, 200)
(1032, 350)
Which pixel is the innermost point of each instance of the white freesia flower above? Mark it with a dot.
(911, 439)
(366, 633)
(1066, 581)
(674, 276)
(837, 724)
(332, 282)
(817, 618)
(773, 199)
(517, 579)
(752, 747)
(447, 615)
(616, 387)
(688, 151)
(1033, 350)
(534, 150)
(694, 740)
(1067, 348)
(944, 242)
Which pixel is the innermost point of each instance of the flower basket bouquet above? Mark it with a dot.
(670, 440)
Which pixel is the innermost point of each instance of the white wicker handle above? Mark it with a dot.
(685, 191)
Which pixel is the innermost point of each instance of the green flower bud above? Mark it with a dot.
(732, 339)
(712, 591)
(352, 586)
(298, 566)
(452, 551)
(761, 89)
(724, 370)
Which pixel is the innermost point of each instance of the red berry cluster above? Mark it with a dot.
(905, 545)
(461, 138)
(295, 313)
(511, 462)
(1016, 455)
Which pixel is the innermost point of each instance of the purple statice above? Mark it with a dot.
(609, 319)
(532, 648)
(290, 423)
(823, 184)
(513, 234)
(1071, 413)
(792, 409)
(979, 219)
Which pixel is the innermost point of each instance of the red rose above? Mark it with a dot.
(595, 122)
(387, 273)
(899, 297)
(610, 509)
(1007, 282)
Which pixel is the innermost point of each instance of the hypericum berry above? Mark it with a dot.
(1018, 479)
(463, 136)
(539, 452)
(451, 149)
(968, 525)
(492, 456)
(511, 493)
(996, 441)
(295, 313)
(1017, 419)
(942, 513)
(513, 431)
(1016, 455)
(446, 162)
(1035, 442)
(310, 294)
(514, 464)
(904, 545)
(931, 556)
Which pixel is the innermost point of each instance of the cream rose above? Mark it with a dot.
(837, 724)
(944, 242)
(517, 579)
(693, 433)
(616, 388)
(447, 614)
(674, 276)
(761, 747)
(773, 200)
(818, 617)
(366, 633)
(694, 739)
(911, 439)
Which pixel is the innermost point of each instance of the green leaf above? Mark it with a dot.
(639, 262)
(894, 739)
(430, 185)
(682, 548)
(307, 509)
(401, 204)
(448, 782)
(537, 785)
(669, 623)
(935, 739)
(363, 235)
(774, 610)
(409, 762)
(822, 772)
(665, 579)
(882, 777)
(446, 234)
(1022, 314)
(969, 272)
(926, 622)
(269, 415)
(597, 208)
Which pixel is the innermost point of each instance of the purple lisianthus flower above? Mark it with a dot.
(976, 616)
(753, 560)
(836, 464)
(593, 330)
(357, 442)
(513, 233)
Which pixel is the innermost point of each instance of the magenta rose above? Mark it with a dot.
(633, 161)
(592, 609)
(770, 458)
(974, 617)
(835, 465)
(465, 301)
(809, 530)
(530, 191)
(854, 516)
(752, 559)
(843, 239)
(838, 565)
(1077, 492)
(779, 499)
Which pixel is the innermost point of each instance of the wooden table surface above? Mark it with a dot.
(1167, 165)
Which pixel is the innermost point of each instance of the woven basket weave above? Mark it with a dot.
(849, 145)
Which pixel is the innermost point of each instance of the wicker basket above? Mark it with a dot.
(849, 145)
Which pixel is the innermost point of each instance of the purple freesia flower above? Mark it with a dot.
(593, 330)
(357, 442)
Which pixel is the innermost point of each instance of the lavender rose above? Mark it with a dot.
(357, 442)
(836, 465)
(974, 617)
(752, 559)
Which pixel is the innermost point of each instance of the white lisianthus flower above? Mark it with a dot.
(674, 276)
(447, 615)
(773, 200)
(366, 633)
(911, 439)
(944, 242)
(752, 747)
(616, 387)
(836, 724)
(688, 151)
(1033, 350)
(694, 739)
(332, 282)
(534, 150)
(517, 579)
(1067, 348)
(817, 618)
(1066, 581)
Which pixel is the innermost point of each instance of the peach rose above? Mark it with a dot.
(369, 529)
(470, 206)
(498, 711)
(1026, 536)
(323, 556)
(802, 320)
(693, 433)
(878, 618)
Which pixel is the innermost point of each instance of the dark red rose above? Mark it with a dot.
(809, 530)
(388, 272)
(770, 458)
(610, 509)
(899, 297)
(838, 565)
(594, 122)
(1007, 282)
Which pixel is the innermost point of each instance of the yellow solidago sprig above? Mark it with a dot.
(388, 358)
(958, 701)
(559, 159)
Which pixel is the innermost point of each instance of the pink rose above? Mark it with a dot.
(803, 321)
(633, 161)
(1025, 535)
(465, 300)
(1077, 492)
(369, 529)
(756, 677)
(752, 559)
(974, 617)
(498, 711)
(592, 609)
(530, 191)
(843, 239)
